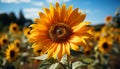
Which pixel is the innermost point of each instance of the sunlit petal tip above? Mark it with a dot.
(68, 50)
(57, 4)
(51, 6)
(71, 6)
(36, 19)
(77, 9)
(64, 5)
(33, 46)
(83, 15)
(87, 23)
(31, 26)
(74, 47)
(49, 55)
(41, 14)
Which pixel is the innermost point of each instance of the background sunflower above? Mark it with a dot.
(26, 31)
(14, 28)
(11, 52)
(105, 45)
(17, 42)
(4, 40)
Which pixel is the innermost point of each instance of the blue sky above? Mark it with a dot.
(96, 10)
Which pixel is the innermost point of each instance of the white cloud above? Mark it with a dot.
(54, 1)
(31, 12)
(66, 0)
(38, 3)
(15, 1)
(25, 1)
(91, 12)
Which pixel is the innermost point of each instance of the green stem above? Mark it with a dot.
(69, 62)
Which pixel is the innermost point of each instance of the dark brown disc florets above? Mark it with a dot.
(60, 32)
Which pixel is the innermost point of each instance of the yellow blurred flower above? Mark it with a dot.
(58, 30)
(3, 40)
(105, 45)
(117, 38)
(97, 35)
(107, 31)
(104, 29)
(117, 30)
(17, 42)
(37, 50)
(26, 31)
(12, 52)
(87, 50)
(14, 28)
(108, 19)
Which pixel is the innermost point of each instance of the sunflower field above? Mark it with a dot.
(61, 39)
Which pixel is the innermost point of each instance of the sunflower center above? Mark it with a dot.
(17, 44)
(4, 41)
(38, 51)
(12, 53)
(87, 52)
(105, 46)
(28, 32)
(60, 32)
(14, 28)
(97, 38)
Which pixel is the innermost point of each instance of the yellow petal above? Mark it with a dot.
(63, 12)
(74, 47)
(73, 15)
(42, 15)
(78, 27)
(69, 11)
(47, 11)
(57, 9)
(60, 54)
(75, 39)
(51, 10)
(57, 51)
(50, 52)
(67, 47)
(63, 49)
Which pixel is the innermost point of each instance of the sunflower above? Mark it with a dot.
(58, 30)
(11, 52)
(17, 42)
(117, 30)
(88, 48)
(105, 45)
(0, 46)
(87, 51)
(3, 40)
(26, 31)
(37, 51)
(14, 28)
(108, 19)
(107, 31)
(117, 38)
(97, 35)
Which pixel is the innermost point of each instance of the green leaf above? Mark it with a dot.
(77, 64)
(54, 66)
(43, 57)
(87, 60)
